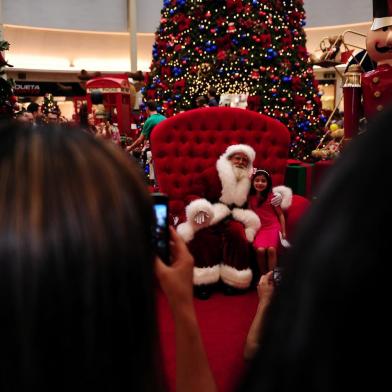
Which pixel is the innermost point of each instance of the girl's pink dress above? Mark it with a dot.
(268, 234)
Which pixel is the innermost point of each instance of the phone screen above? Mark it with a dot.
(161, 229)
(277, 275)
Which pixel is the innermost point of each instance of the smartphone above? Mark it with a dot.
(277, 275)
(161, 234)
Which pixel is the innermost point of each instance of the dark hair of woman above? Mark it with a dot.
(327, 328)
(77, 294)
(264, 194)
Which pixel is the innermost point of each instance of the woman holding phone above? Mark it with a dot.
(77, 270)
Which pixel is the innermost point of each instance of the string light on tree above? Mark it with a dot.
(238, 46)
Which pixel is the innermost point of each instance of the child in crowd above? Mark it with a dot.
(272, 220)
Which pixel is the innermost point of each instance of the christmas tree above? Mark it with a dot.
(50, 105)
(8, 101)
(254, 47)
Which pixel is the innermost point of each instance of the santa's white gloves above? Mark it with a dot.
(201, 217)
(276, 201)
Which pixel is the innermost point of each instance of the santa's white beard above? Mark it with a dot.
(240, 173)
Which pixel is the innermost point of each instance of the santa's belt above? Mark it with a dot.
(231, 206)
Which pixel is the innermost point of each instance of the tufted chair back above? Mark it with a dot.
(185, 145)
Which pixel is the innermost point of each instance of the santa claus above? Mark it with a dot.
(219, 227)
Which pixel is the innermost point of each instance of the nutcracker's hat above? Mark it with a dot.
(382, 14)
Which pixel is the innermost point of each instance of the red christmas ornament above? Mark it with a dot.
(255, 74)
(221, 55)
(231, 28)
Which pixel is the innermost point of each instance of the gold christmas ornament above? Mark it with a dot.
(204, 70)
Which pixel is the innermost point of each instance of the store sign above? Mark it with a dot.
(27, 89)
(57, 89)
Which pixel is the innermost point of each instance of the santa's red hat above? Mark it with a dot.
(243, 148)
(382, 14)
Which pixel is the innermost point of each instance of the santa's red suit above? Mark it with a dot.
(220, 245)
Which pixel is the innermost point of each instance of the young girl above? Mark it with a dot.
(272, 220)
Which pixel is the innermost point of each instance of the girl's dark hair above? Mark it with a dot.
(77, 294)
(264, 194)
(331, 308)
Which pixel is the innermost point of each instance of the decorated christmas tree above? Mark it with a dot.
(254, 47)
(50, 105)
(8, 101)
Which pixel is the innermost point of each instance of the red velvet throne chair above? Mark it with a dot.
(185, 145)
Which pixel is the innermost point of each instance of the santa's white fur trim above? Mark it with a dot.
(197, 206)
(221, 211)
(250, 234)
(244, 148)
(287, 195)
(206, 275)
(249, 219)
(186, 231)
(233, 191)
(233, 277)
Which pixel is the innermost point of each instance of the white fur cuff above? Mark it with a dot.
(233, 277)
(287, 195)
(250, 234)
(221, 211)
(197, 206)
(249, 219)
(186, 231)
(206, 275)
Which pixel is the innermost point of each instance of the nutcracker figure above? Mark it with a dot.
(375, 86)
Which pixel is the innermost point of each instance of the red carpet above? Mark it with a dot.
(224, 322)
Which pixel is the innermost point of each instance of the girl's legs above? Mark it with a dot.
(261, 260)
(272, 258)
